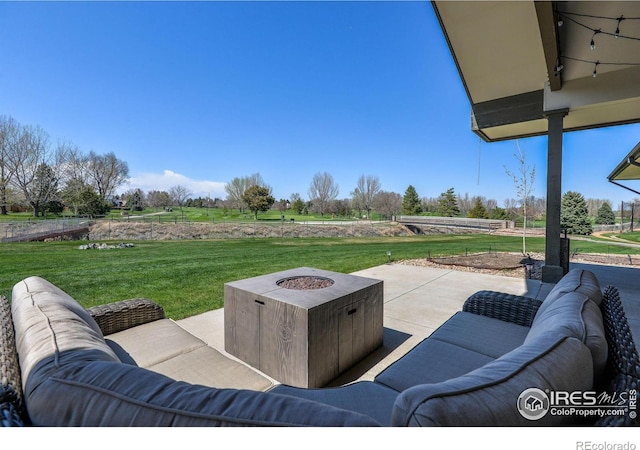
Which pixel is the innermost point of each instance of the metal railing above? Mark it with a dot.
(39, 230)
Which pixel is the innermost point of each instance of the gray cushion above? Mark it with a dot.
(165, 347)
(153, 342)
(489, 396)
(48, 322)
(577, 280)
(465, 341)
(100, 393)
(431, 361)
(486, 335)
(366, 397)
(575, 315)
(208, 367)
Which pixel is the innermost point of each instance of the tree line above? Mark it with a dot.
(48, 178)
(37, 175)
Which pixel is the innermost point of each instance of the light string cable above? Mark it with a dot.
(596, 31)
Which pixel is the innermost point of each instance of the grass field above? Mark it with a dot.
(187, 277)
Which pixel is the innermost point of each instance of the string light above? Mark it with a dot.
(617, 33)
(563, 16)
(593, 43)
(596, 64)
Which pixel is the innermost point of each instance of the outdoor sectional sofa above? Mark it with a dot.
(125, 364)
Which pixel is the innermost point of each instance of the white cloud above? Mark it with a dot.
(166, 180)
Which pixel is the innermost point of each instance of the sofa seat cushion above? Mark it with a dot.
(575, 315)
(489, 395)
(153, 343)
(209, 367)
(165, 347)
(100, 393)
(431, 361)
(465, 342)
(486, 335)
(365, 397)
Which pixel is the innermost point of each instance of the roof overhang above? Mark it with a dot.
(628, 169)
(507, 54)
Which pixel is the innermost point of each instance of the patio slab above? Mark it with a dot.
(418, 299)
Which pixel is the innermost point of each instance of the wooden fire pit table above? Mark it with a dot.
(303, 326)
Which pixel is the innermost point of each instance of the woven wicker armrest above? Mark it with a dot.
(118, 316)
(507, 307)
(9, 410)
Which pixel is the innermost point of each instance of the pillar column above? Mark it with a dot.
(552, 270)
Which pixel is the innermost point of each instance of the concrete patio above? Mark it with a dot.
(419, 299)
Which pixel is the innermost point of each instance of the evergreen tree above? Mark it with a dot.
(411, 202)
(500, 214)
(574, 214)
(605, 215)
(448, 204)
(478, 211)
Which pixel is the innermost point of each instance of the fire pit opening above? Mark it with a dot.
(305, 282)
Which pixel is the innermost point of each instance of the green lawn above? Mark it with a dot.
(633, 237)
(187, 277)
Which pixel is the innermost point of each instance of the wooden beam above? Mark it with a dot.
(547, 24)
(509, 110)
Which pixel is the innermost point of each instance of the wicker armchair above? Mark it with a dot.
(507, 307)
(111, 318)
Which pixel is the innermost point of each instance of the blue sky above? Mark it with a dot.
(197, 93)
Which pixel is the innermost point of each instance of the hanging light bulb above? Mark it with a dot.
(560, 21)
(617, 33)
(595, 69)
(593, 43)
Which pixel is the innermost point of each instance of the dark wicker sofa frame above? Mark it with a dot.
(623, 364)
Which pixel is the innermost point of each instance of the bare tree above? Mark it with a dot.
(74, 174)
(107, 173)
(388, 204)
(365, 192)
(466, 203)
(235, 190)
(523, 182)
(179, 195)
(322, 191)
(256, 180)
(9, 133)
(159, 199)
(36, 168)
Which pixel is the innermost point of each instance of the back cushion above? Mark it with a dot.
(100, 394)
(574, 315)
(489, 396)
(51, 326)
(577, 280)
